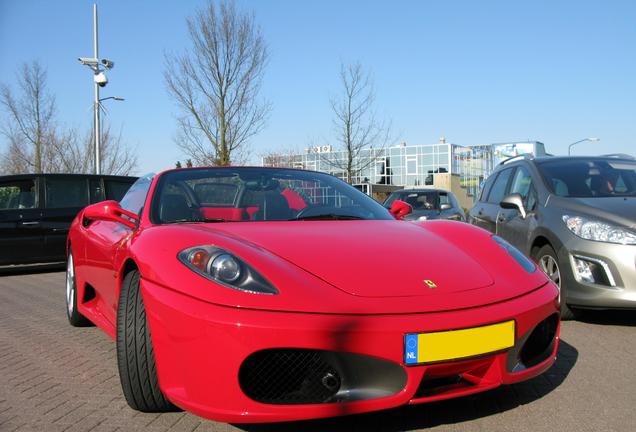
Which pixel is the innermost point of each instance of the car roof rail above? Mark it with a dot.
(619, 156)
(516, 158)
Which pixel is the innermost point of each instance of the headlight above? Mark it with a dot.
(516, 254)
(590, 229)
(225, 268)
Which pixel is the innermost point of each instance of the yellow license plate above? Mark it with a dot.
(458, 344)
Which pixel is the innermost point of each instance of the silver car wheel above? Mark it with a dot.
(70, 285)
(551, 268)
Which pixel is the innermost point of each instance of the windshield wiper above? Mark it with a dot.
(328, 216)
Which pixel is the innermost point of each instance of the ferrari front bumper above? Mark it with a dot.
(202, 351)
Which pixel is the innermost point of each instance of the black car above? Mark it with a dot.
(428, 204)
(36, 211)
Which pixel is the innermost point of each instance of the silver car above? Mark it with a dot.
(576, 217)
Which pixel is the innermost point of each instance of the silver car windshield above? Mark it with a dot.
(590, 178)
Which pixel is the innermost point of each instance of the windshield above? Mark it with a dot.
(426, 200)
(257, 194)
(588, 178)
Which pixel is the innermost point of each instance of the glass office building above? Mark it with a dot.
(410, 165)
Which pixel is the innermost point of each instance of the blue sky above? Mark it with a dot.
(474, 72)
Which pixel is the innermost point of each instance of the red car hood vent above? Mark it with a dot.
(370, 258)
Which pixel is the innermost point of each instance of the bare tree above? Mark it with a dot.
(285, 158)
(355, 123)
(30, 117)
(37, 143)
(216, 84)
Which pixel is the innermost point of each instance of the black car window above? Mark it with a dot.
(95, 189)
(116, 189)
(66, 192)
(498, 190)
(18, 194)
(135, 198)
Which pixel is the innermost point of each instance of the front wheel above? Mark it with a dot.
(75, 318)
(549, 263)
(135, 354)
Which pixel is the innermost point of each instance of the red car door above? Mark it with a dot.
(103, 241)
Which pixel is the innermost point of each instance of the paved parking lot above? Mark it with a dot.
(54, 377)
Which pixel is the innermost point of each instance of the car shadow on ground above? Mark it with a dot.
(32, 269)
(608, 317)
(439, 413)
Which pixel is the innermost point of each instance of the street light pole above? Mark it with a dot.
(580, 141)
(98, 67)
(96, 113)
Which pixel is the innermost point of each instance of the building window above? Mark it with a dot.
(411, 165)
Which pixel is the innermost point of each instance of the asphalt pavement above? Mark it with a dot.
(54, 377)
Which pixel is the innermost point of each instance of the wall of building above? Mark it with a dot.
(460, 169)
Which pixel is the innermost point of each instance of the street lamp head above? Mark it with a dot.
(580, 141)
(118, 98)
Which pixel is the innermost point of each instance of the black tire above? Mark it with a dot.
(75, 318)
(135, 355)
(549, 263)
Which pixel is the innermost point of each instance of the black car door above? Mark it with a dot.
(65, 196)
(21, 235)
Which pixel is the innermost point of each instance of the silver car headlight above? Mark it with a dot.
(516, 254)
(590, 229)
(225, 268)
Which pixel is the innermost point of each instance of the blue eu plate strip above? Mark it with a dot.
(410, 349)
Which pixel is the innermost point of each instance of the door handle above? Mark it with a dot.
(30, 223)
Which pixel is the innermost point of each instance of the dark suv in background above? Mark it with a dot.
(576, 217)
(36, 211)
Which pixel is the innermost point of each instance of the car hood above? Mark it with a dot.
(371, 258)
(619, 210)
(348, 267)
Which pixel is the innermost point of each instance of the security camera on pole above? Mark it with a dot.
(99, 77)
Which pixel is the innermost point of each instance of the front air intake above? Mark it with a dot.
(293, 376)
(289, 376)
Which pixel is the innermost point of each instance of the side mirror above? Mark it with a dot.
(399, 209)
(514, 201)
(445, 206)
(111, 211)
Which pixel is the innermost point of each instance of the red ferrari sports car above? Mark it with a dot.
(269, 294)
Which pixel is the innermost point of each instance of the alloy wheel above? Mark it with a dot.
(550, 267)
(70, 285)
